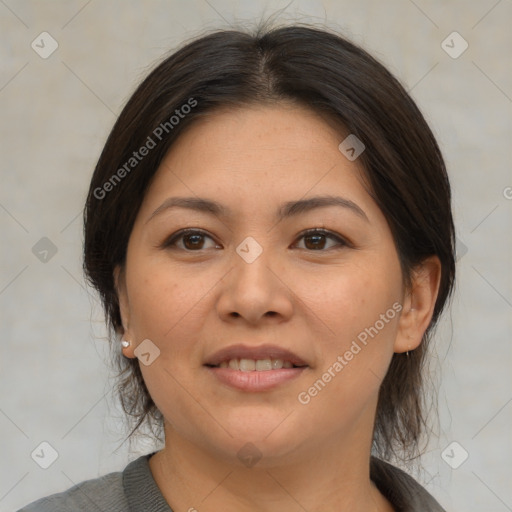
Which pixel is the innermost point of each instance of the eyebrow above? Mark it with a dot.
(286, 210)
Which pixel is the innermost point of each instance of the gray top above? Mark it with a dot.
(135, 490)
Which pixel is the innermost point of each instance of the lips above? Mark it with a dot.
(261, 352)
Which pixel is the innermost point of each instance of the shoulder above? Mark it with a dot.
(103, 493)
(401, 489)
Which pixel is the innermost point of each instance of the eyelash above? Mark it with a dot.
(170, 243)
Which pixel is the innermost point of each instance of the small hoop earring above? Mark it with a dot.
(125, 343)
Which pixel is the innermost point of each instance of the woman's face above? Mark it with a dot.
(249, 276)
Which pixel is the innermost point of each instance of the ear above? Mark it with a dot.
(124, 309)
(418, 304)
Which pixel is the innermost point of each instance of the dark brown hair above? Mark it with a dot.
(308, 66)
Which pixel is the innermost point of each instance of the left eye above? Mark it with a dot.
(315, 238)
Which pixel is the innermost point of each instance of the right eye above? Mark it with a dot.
(192, 240)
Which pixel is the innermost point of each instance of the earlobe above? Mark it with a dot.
(124, 310)
(418, 305)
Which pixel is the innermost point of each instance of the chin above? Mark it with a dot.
(262, 453)
(267, 442)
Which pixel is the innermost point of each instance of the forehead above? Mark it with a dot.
(276, 126)
(269, 153)
(257, 138)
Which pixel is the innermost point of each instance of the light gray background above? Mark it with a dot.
(55, 116)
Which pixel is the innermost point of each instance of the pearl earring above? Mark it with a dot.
(407, 353)
(125, 343)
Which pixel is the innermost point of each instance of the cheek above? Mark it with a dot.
(347, 300)
(156, 300)
(356, 311)
(354, 357)
(169, 306)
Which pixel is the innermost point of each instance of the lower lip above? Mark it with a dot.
(255, 380)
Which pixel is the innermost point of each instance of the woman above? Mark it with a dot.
(270, 230)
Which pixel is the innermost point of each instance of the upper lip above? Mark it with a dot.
(259, 352)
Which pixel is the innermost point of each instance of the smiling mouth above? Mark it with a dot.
(259, 365)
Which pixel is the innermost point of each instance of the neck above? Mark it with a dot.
(327, 477)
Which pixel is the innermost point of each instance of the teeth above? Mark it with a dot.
(263, 364)
(247, 365)
(260, 365)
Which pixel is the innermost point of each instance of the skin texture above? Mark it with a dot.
(312, 296)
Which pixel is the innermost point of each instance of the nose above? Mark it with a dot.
(256, 290)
